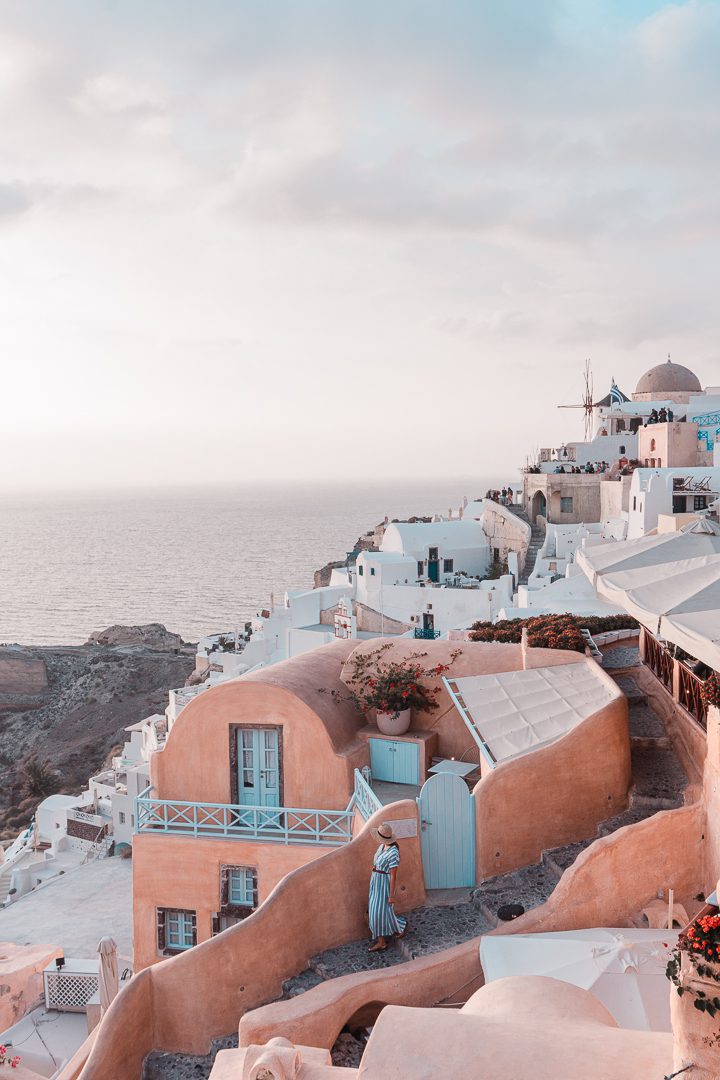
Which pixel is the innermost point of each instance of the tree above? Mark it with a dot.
(38, 777)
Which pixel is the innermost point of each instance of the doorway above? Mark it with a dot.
(428, 621)
(256, 764)
(447, 832)
(433, 564)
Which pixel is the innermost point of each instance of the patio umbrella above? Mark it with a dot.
(107, 972)
(623, 968)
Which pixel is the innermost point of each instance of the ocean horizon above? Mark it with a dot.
(199, 561)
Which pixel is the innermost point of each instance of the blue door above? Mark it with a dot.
(395, 761)
(447, 832)
(258, 767)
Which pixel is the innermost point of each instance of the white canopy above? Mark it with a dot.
(693, 542)
(624, 968)
(518, 711)
(690, 586)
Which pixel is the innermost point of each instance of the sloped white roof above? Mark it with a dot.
(516, 712)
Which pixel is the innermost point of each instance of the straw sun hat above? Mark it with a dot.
(384, 833)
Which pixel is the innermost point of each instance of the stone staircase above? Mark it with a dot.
(537, 539)
(450, 919)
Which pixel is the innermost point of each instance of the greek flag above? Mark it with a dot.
(616, 396)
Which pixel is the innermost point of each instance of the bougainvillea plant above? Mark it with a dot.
(701, 942)
(390, 686)
(710, 691)
(550, 631)
(12, 1062)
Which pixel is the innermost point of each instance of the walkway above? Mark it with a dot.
(537, 540)
(452, 917)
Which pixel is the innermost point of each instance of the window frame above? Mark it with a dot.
(161, 929)
(228, 906)
(564, 509)
(448, 565)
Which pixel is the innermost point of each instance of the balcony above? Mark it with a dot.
(426, 635)
(278, 825)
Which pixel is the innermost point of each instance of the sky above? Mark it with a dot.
(315, 239)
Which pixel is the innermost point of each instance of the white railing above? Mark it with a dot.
(276, 824)
(87, 819)
(364, 798)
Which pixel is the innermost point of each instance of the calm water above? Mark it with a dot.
(198, 562)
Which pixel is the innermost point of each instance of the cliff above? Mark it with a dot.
(69, 705)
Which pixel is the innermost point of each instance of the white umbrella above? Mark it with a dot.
(623, 968)
(107, 972)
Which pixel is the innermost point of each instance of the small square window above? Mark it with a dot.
(433, 554)
(566, 504)
(372, 571)
(238, 890)
(176, 930)
(448, 566)
(121, 818)
(700, 502)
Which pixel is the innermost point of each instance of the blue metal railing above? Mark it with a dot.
(426, 635)
(457, 700)
(276, 824)
(364, 797)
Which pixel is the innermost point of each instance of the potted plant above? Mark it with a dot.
(393, 688)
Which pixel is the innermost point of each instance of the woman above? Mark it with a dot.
(381, 903)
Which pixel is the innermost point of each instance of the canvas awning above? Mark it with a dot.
(650, 594)
(515, 712)
(624, 968)
(693, 542)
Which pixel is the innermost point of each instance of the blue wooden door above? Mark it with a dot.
(395, 761)
(447, 832)
(258, 767)
(406, 767)
(382, 759)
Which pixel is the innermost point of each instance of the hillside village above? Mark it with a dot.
(503, 720)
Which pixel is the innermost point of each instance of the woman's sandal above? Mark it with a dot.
(377, 948)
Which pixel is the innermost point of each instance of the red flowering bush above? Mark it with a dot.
(710, 691)
(701, 942)
(550, 631)
(13, 1062)
(390, 686)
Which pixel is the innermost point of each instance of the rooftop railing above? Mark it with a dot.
(426, 634)
(276, 824)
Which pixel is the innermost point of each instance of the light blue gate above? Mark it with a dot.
(447, 832)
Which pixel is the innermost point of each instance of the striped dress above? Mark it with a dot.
(383, 920)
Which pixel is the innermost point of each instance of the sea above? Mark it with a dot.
(199, 561)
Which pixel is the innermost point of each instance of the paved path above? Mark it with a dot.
(76, 910)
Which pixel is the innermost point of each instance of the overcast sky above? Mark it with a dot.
(327, 239)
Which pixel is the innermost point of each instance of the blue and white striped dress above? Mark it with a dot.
(383, 920)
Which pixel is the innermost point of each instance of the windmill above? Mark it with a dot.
(587, 402)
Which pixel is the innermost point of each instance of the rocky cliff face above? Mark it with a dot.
(151, 636)
(70, 706)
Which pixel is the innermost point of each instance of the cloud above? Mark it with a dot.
(285, 217)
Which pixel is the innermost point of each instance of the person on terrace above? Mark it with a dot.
(383, 883)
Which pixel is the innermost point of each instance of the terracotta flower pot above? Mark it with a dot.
(389, 724)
